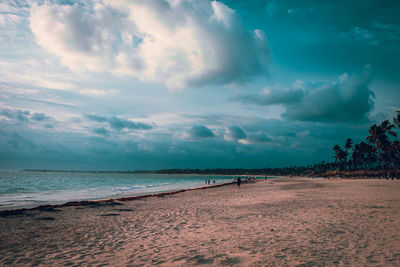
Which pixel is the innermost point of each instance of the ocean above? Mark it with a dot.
(20, 189)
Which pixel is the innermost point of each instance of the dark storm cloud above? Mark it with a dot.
(199, 132)
(348, 100)
(234, 132)
(119, 124)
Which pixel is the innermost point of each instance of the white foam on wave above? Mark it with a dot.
(31, 199)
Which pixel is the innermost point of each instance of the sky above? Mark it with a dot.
(130, 84)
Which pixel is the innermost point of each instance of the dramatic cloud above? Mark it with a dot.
(348, 100)
(179, 43)
(120, 124)
(199, 132)
(234, 133)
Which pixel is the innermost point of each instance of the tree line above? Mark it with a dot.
(378, 156)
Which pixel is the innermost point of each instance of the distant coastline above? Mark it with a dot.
(301, 171)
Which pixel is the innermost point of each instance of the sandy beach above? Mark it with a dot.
(301, 221)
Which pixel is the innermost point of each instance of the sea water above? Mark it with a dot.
(29, 189)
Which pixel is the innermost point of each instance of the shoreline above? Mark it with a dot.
(132, 195)
(104, 201)
(115, 200)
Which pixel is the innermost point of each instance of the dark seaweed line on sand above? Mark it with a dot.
(102, 202)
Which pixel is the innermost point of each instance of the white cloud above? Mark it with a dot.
(13, 16)
(179, 43)
(32, 72)
(56, 85)
(9, 19)
(36, 73)
(96, 92)
(10, 6)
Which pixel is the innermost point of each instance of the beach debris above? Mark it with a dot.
(124, 209)
(7, 213)
(109, 214)
(45, 219)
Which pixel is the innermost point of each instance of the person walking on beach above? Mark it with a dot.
(238, 182)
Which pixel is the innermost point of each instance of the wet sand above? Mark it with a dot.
(273, 222)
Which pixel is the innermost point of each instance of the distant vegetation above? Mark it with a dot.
(379, 156)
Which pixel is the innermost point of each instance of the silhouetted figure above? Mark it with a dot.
(238, 182)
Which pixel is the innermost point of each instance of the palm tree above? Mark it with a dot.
(337, 150)
(343, 157)
(340, 156)
(391, 155)
(385, 143)
(397, 118)
(379, 138)
(367, 155)
(396, 156)
(357, 156)
(348, 146)
(387, 127)
(375, 134)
